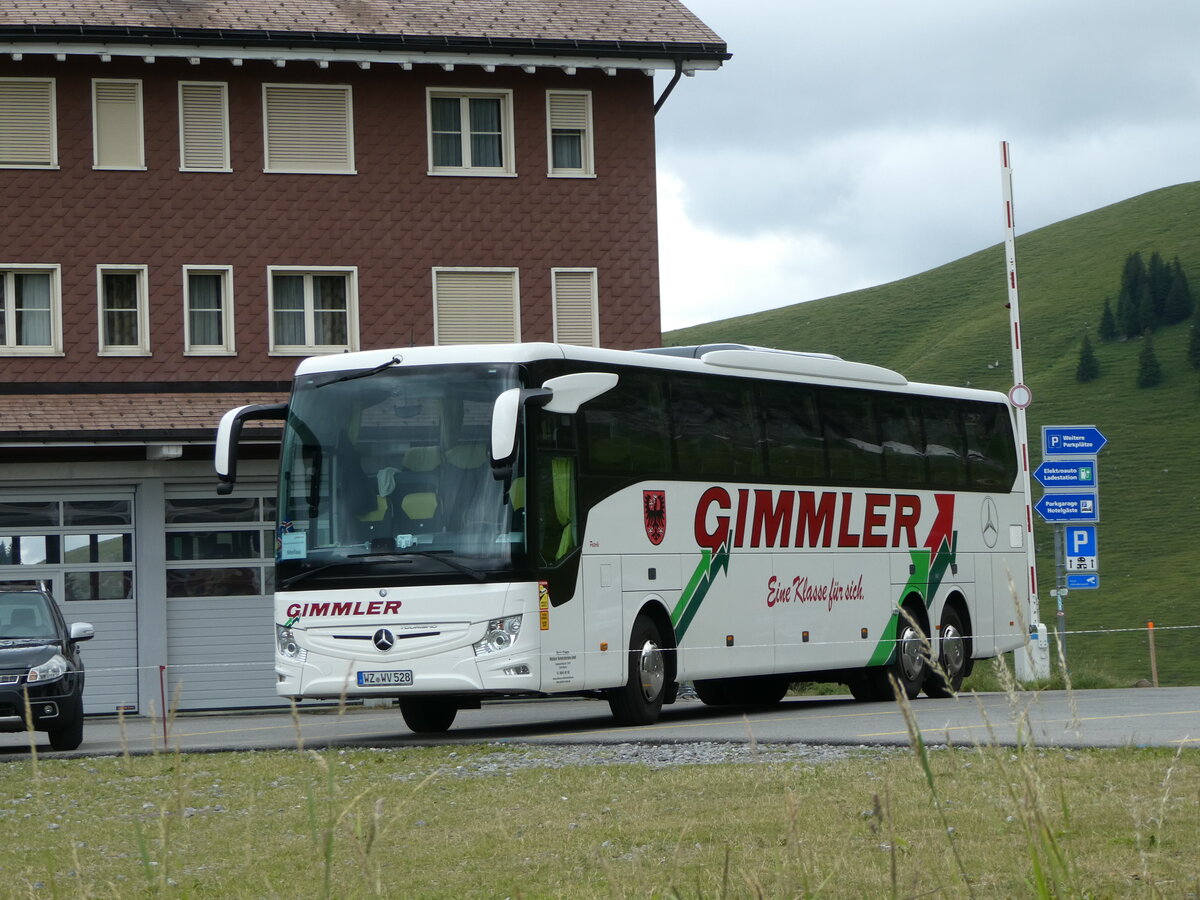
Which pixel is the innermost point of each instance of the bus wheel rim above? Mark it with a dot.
(953, 650)
(910, 654)
(651, 671)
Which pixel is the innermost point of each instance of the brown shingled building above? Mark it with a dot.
(201, 193)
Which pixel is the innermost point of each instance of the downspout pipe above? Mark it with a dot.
(671, 86)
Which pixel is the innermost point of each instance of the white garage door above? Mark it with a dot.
(82, 547)
(220, 626)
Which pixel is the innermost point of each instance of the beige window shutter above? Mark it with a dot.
(309, 129)
(118, 125)
(575, 308)
(27, 123)
(569, 111)
(203, 127)
(476, 307)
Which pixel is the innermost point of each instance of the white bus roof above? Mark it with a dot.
(723, 359)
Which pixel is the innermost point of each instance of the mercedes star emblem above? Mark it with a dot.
(987, 522)
(383, 640)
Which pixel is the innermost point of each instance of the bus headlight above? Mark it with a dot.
(500, 635)
(286, 641)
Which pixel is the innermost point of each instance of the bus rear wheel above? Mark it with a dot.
(908, 667)
(952, 658)
(754, 690)
(640, 700)
(425, 715)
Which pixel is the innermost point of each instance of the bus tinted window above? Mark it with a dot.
(715, 428)
(903, 440)
(991, 449)
(795, 444)
(851, 437)
(944, 446)
(625, 430)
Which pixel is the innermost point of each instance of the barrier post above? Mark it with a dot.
(1153, 657)
(162, 693)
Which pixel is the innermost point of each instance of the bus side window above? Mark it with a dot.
(795, 444)
(558, 526)
(624, 431)
(848, 419)
(716, 428)
(991, 448)
(944, 445)
(903, 445)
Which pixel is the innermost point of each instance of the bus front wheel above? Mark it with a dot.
(426, 715)
(640, 700)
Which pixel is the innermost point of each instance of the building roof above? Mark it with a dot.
(125, 418)
(631, 26)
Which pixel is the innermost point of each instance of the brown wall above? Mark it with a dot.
(391, 220)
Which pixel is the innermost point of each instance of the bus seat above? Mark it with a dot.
(422, 459)
(377, 514)
(516, 493)
(420, 507)
(467, 456)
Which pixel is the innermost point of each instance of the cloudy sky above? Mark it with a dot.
(849, 143)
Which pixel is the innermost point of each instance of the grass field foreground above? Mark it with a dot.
(439, 822)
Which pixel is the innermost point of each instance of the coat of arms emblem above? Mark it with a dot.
(654, 511)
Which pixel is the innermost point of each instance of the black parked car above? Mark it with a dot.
(39, 656)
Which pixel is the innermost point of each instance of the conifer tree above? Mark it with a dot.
(1147, 316)
(1129, 316)
(1089, 367)
(1193, 350)
(1158, 278)
(1179, 303)
(1150, 372)
(1108, 325)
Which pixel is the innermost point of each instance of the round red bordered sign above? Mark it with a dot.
(1020, 396)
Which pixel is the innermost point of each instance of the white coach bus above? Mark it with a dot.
(458, 523)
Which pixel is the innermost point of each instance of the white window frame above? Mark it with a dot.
(309, 349)
(588, 169)
(55, 347)
(594, 299)
(507, 140)
(52, 117)
(139, 164)
(439, 271)
(142, 347)
(227, 346)
(223, 89)
(310, 169)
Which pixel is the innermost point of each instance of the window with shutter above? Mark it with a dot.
(308, 128)
(313, 310)
(569, 133)
(124, 311)
(117, 124)
(27, 123)
(208, 310)
(203, 126)
(30, 310)
(575, 309)
(470, 133)
(476, 306)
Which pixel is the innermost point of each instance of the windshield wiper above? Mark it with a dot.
(425, 554)
(394, 361)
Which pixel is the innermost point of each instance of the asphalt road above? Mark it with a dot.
(1161, 717)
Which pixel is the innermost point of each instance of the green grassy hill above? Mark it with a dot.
(950, 325)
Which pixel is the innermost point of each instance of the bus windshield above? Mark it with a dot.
(386, 474)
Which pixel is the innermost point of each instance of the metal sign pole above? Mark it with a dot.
(1020, 395)
(1060, 582)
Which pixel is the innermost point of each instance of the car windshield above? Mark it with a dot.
(387, 474)
(25, 615)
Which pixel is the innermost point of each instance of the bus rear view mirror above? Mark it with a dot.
(563, 395)
(228, 432)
